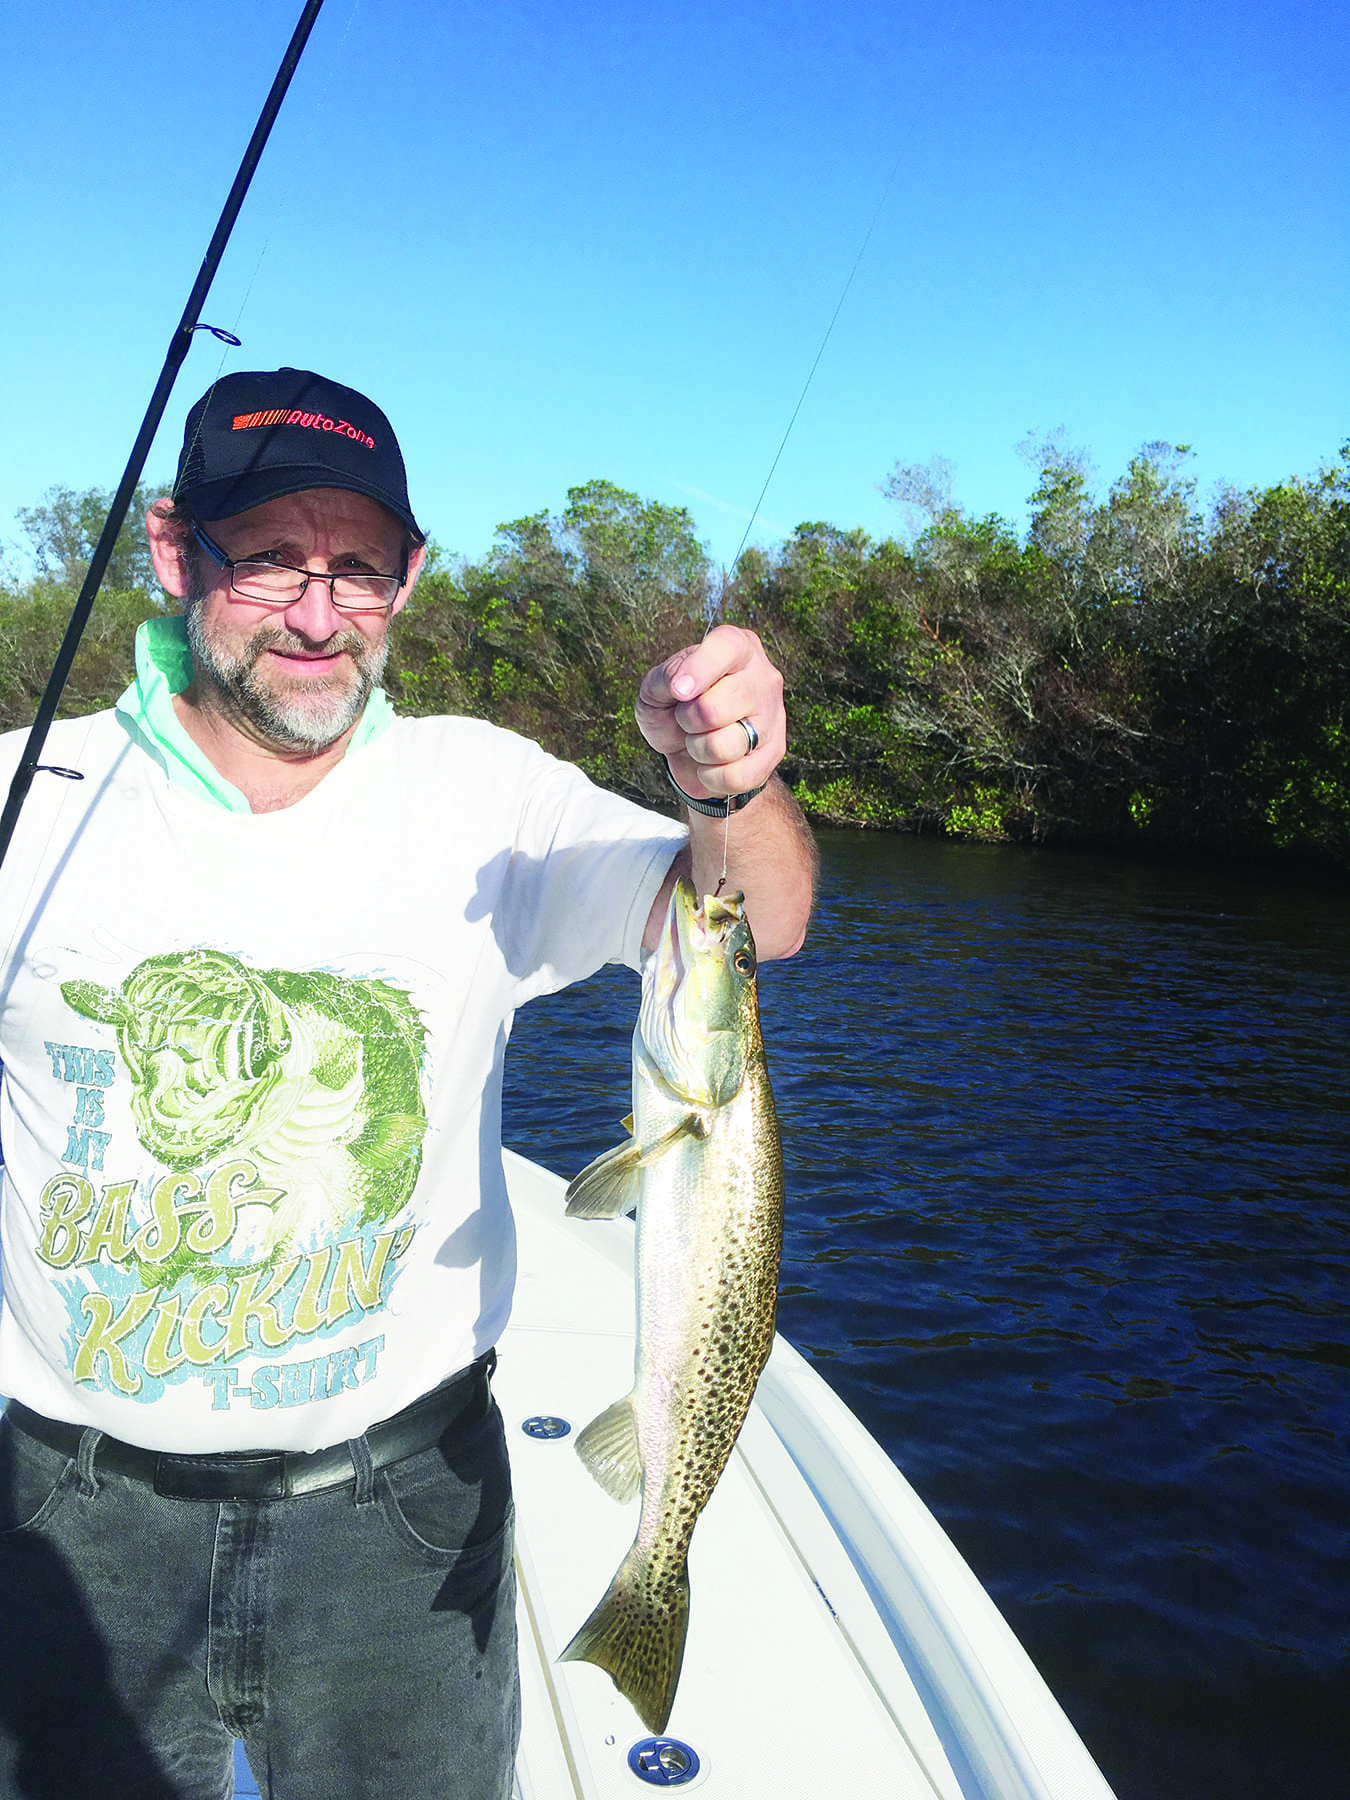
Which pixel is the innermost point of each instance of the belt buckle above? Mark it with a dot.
(239, 1477)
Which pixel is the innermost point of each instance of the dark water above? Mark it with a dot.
(1068, 1142)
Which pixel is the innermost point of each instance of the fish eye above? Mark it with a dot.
(745, 963)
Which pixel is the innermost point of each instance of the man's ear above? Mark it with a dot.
(415, 560)
(167, 550)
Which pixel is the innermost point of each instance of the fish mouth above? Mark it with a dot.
(694, 926)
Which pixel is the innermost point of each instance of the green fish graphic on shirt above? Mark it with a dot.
(314, 1076)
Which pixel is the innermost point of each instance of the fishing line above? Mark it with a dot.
(179, 345)
(307, 144)
(714, 609)
(839, 307)
(231, 338)
(726, 844)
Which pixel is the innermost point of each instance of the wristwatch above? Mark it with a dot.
(715, 809)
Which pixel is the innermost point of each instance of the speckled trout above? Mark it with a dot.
(704, 1168)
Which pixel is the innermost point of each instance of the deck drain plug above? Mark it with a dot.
(663, 1762)
(542, 1425)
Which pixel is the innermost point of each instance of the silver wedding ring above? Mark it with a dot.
(751, 736)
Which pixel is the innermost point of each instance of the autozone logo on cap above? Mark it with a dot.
(282, 415)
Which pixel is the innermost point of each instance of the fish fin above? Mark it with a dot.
(692, 1125)
(387, 1142)
(636, 1635)
(609, 1185)
(606, 1187)
(628, 1124)
(609, 1448)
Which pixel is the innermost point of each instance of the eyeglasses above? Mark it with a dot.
(278, 584)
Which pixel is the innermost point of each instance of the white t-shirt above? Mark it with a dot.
(250, 1109)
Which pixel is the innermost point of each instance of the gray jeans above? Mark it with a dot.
(360, 1640)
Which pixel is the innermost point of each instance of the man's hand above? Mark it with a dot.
(689, 708)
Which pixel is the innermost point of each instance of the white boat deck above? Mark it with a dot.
(764, 1644)
(838, 1645)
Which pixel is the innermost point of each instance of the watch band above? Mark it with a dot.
(715, 809)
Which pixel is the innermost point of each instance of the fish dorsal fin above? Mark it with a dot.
(608, 1186)
(609, 1449)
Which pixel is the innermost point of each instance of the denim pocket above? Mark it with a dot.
(34, 1481)
(452, 1501)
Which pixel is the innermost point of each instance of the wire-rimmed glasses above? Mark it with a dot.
(279, 584)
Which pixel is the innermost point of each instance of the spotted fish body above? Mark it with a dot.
(705, 1169)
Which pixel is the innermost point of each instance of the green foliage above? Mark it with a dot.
(64, 528)
(1248, 686)
(552, 634)
(842, 618)
(1139, 672)
(1127, 670)
(979, 817)
(33, 621)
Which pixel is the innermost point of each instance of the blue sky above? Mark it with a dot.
(558, 243)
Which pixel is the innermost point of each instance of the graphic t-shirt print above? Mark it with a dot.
(284, 1114)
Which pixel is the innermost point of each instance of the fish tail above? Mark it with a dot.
(636, 1635)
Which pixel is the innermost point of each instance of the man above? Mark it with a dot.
(262, 958)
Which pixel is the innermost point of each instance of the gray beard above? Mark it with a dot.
(297, 721)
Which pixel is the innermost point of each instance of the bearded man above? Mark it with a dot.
(262, 957)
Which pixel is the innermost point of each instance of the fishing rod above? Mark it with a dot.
(179, 344)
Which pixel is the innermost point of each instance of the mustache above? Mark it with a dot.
(294, 643)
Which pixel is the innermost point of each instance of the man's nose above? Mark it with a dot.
(313, 615)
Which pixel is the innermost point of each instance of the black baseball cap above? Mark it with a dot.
(256, 435)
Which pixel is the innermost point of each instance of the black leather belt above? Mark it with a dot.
(277, 1474)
